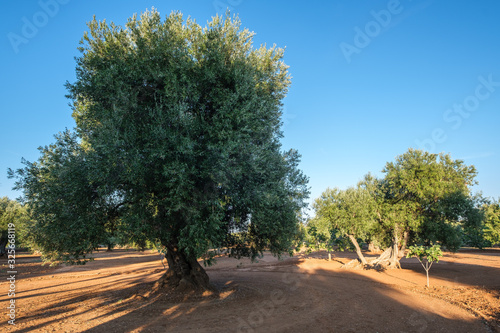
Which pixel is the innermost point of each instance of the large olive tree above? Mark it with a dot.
(177, 143)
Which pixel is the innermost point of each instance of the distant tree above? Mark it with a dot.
(492, 222)
(11, 212)
(319, 236)
(177, 143)
(318, 233)
(428, 196)
(351, 212)
(474, 222)
(299, 237)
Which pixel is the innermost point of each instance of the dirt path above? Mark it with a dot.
(300, 294)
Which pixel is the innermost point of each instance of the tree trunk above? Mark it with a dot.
(183, 273)
(373, 248)
(402, 249)
(394, 260)
(358, 250)
(390, 257)
(3, 244)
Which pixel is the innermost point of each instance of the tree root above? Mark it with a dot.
(353, 264)
(386, 260)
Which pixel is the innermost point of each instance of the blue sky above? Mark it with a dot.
(370, 78)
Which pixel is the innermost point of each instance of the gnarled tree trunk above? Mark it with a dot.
(358, 250)
(390, 257)
(373, 248)
(3, 243)
(183, 273)
(394, 259)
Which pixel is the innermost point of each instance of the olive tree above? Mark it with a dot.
(350, 211)
(177, 143)
(427, 197)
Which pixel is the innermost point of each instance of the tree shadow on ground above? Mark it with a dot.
(30, 266)
(460, 272)
(282, 298)
(63, 306)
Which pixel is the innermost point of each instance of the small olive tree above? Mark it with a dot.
(427, 255)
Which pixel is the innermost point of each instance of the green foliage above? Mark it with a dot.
(430, 197)
(492, 222)
(318, 235)
(69, 215)
(427, 255)
(300, 237)
(350, 212)
(11, 212)
(177, 143)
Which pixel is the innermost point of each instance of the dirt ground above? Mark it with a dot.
(298, 294)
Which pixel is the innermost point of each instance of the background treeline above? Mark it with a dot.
(11, 211)
(421, 199)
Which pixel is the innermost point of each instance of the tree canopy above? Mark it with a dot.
(177, 142)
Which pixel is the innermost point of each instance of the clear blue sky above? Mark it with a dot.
(370, 78)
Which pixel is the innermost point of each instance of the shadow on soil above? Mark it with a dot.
(458, 272)
(29, 266)
(258, 299)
